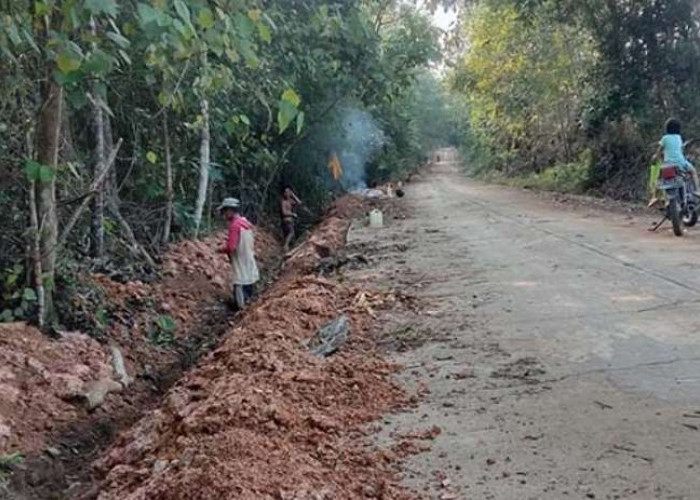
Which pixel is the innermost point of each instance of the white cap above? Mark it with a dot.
(230, 203)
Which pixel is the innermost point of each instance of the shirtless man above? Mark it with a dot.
(287, 204)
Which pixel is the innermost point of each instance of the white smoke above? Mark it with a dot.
(360, 139)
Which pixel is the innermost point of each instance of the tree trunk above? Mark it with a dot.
(97, 228)
(34, 254)
(97, 231)
(111, 185)
(204, 159)
(48, 137)
(168, 181)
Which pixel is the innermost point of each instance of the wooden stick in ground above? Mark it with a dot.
(94, 187)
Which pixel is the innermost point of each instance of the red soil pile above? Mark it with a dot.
(330, 236)
(40, 379)
(260, 417)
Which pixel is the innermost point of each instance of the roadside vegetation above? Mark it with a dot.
(123, 123)
(571, 95)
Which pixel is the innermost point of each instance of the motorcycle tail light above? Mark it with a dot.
(668, 172)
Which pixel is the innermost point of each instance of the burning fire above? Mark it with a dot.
(335, 167)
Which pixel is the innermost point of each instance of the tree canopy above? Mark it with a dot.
(578, 87)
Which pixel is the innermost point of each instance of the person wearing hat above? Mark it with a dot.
(240, 248)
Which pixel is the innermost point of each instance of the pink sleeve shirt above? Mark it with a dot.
(237, 224)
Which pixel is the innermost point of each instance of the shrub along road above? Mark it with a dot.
(558, 348)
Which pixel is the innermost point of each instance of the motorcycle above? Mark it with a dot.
(681, 206)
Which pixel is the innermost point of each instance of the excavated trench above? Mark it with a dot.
(52, 429)
(257, 417)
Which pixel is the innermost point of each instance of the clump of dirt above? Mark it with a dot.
(40, 380)
(526, 369)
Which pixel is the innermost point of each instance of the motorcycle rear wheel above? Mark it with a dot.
(674, 213)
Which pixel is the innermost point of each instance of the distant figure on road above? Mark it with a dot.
(240, 248)
(287, 204)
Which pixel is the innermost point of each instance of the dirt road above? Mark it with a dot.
(559, 349)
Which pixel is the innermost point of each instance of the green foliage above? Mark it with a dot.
(18, 300)
(549, 79)
(289, 110)
(38, 172)
(274, 73)
(565, 178)
(162, 332)
(7, 464)
(525, 80)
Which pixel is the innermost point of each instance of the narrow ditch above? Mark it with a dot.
(256, 417)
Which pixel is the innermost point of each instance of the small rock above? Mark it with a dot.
(5, 432)
(159, 466)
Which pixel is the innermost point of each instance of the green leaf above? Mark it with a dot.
(249, 54)
(244, 119)
(99, 63)
(300, 122)
(125, 57)
(71, 166)
(67, 61)
(205, 19)
(97, 7)
(233, 56)
(14, 34)
(264, 32)
(6, 316)
(166, 323)
(163, 98)
(147, 14)
(46, 173)
(29, 295)
(31, 169)
(10, 280)
(119, 39)
(30, 40)
(151, 157)
(244, 26)
(67, 79)
(41, 9)
(101, 318)
(291, 97)
(287, 112)
(183, 11)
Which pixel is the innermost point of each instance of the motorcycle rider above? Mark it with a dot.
(671, 144)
